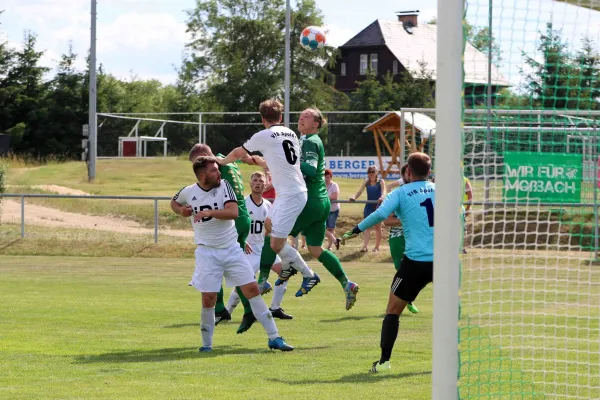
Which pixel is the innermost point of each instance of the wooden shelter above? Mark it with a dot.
(415, 125)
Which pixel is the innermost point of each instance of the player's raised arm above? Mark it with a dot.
(233, 156)
(389, 205)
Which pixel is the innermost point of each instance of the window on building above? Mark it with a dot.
(374, 63)
(363, 64)
(395, 67)
(343, 69)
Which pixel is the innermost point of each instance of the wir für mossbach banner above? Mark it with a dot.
(547, 177)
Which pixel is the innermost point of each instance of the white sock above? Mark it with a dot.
(234, 300)
(207, 326)
(290, 255)
(263, 315)
(278, 292)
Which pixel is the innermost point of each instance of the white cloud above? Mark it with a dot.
(337, 35)
(142, 32)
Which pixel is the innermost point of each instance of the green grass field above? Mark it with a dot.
(95, 314)
(100, 328)
(91, 327)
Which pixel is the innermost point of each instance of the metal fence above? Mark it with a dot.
(486, 206)
(155, 199)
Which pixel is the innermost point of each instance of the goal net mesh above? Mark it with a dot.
(530, 289)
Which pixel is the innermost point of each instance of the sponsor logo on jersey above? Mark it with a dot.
(194, 198)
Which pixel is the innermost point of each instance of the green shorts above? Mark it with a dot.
(242, 226)
(397, 246)
(311, 221)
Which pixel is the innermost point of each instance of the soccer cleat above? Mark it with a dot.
(247, 321)
(377, 367)
(205, 349)
(285, 275)
(351, 290)
(280, 313)
(337, 243)
(412, 308)
(307, 285)
(222, 316)
(190, 284)
(347, 236)
(279, 344)
(264, 287)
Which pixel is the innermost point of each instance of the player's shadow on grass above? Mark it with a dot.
(364, 377)
(352, 318)
(195, 325)
(166, 354)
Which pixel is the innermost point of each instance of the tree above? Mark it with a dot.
(24, 91)
(237, 57)
(479, 37)
(588, 81)
(551, 84)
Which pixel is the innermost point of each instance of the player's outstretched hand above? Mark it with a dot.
(220, 160)
(347, 236)
(247, 248)
(259, 161)
(247, 159)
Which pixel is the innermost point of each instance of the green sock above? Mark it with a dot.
(267, 259)
(220, 306)
(334, 266)
(244, 300)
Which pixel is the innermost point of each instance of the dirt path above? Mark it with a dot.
(51, 217)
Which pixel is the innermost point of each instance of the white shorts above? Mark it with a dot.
(254, 259)
(213, 264)
(285, 212)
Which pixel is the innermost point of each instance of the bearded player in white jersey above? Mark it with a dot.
(211, 204)
(281, 152)
(258, 208)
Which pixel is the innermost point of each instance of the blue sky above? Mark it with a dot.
(146, 37)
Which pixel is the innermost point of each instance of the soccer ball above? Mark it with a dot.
(312, 38)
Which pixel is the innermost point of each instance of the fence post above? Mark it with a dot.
(155, 221)
(22, 217)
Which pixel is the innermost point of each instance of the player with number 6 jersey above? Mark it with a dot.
(281, 151)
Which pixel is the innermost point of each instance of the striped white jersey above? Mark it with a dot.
(210, 231)
(258, 214)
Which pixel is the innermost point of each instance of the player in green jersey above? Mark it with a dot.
(312, 221)
(231, 173)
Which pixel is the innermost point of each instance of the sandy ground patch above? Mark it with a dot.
(51, 217)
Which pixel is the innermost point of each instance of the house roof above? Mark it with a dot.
(391, 123)
(421, 46)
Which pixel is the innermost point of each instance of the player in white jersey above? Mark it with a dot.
(281, 151)
(211, 204)
(259, 208)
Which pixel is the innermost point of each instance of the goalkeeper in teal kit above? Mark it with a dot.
(413, 204)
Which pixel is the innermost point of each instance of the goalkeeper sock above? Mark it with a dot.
(220, 305)
(267, 259)
(334, 266)
(389, 332)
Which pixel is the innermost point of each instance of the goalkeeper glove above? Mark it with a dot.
(351, 234)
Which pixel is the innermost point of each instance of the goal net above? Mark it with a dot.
(529, 283)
